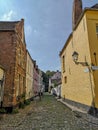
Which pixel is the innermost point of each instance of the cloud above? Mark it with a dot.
(8, 16)
(35, 31)
(28, 30)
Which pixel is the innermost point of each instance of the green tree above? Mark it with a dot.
(46, 75)
(50, 73)
(45, 81)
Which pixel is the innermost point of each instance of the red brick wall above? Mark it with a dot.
(20, 64)
(13, 59)
(7, 60)
(20, 68)
(77, 10)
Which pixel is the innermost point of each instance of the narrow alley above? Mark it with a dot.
(47, 114)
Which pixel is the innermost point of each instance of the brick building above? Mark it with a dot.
(13, 59)
(54, 80)
(36, 79)
(77, 11)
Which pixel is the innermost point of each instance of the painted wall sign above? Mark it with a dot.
(94, 67)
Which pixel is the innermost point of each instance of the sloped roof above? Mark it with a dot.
(57, 75)
(1, 67)
(95, 6)
(4, 25)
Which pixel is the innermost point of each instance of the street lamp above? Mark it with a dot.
(75, 56)
(75, 59)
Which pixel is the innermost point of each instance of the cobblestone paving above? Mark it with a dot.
(48, 114)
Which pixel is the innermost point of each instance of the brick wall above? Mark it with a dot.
(13, 59)
(7, 60)
(77, 10)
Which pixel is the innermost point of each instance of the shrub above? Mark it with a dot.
(23, 95)
(27, 102)
(2, 110)
(15, 111)
(21, 105)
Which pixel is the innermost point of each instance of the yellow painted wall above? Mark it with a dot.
(1, 73)
(79, 84)
(29, 77)
(1, 86)
(92, 21)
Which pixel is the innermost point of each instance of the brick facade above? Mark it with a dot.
(13, 59)
(36, 79)
(54, 80)
(77, 10)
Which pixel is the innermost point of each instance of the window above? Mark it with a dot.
(18, 86)
(84, 24)
(65, 79)
(23, 83)
(72, 44)
(97, 29)
(63, 62)
(19, 56)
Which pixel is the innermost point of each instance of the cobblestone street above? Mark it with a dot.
(47, 114)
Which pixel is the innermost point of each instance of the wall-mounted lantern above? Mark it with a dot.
(75, 56)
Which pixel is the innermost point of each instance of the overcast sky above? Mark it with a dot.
(48, 24)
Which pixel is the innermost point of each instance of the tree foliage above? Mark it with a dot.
(50, 73)
(46, 75)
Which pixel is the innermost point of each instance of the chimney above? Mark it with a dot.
(77, 10)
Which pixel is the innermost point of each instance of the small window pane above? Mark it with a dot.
(97, 29)
(63, 60)
(65, 79)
